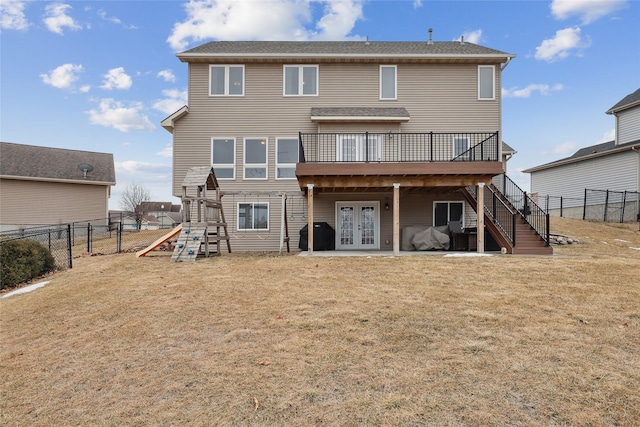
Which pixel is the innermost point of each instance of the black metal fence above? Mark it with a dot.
(399, 147)
(611, 206)
(595, 205)
(56, 239)
(98, 236)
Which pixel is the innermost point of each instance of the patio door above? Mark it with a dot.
(358, 148)
(358, 225)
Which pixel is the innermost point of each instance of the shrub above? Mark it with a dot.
(22, 260)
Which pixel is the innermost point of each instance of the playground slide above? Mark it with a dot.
(173, 233)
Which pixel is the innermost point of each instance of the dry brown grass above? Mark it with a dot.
(265, 340)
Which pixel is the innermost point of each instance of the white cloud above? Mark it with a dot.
(102, 14)
(167, 75)
(167, 151)
(124, 118)
(471, 36)
(588, 10)
(264, 20)
(174, 100)
(134, 168)
(608, 136)
(63, 76)
(543, 89)
(85, 88)
(564, 148)
(116, 78)
(561, 45)
(417, 4)
(12, 15)
(57, 19)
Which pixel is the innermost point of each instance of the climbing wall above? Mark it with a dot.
(189, 242)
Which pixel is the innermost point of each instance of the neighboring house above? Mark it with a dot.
(43, 185)
(369, 137)
(613, 165)
(168, 215)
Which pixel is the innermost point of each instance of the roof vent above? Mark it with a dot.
(367, 41)
(462, 39)
(430, 36)
(85, 167)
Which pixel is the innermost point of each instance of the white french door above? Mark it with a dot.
(358, 148)
(358, 225)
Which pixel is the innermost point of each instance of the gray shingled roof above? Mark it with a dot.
(587, 152)
(628, 101)
(354, 112)
(340, 49)
(30, 161)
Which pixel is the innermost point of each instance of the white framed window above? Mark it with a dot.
(226, 80)
(486, 82)
(300, 80)
(253, 216)
(445, 211)
(286, 157)
(358, 148)
(388, 82)
(255, 158)
(460, 146)
(223, 157)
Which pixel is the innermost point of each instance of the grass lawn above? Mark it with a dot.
(265, 340)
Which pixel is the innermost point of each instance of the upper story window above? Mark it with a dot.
(388, 82)
(255, 158)
(300, 80)
(286, 158)
(486, 82)
(460, 146)
(226, 80)
(223, 157)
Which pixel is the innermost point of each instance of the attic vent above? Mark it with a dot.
(85, 167)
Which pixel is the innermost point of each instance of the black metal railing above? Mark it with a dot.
(369, 147)
(501, 214)
(533, 214)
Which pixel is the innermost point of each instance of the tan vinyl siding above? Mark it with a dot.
(439, 97)
(628, 125)
(31, 203)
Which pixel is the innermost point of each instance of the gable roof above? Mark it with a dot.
(629, 101)
(55, 164)
(348, 51)
(593, 151)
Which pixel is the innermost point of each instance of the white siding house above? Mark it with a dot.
(613, 165)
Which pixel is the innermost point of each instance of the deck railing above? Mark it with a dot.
(372, 147)
(501, 214)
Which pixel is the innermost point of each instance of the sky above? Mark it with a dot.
(102, 75)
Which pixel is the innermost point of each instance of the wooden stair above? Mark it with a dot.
(528, 241)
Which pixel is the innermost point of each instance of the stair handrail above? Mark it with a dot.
(525, 206)
(501, 214)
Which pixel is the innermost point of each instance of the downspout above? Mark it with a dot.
(637, 185)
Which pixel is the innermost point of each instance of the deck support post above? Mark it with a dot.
(480, 211)
(396, 219)
(310, 219)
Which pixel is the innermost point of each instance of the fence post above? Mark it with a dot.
(624, 203)
(89, 237)
(584, 206)
(606, 206)
(119, 238)
(69, 246)
(561, 203)
(49, 240)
